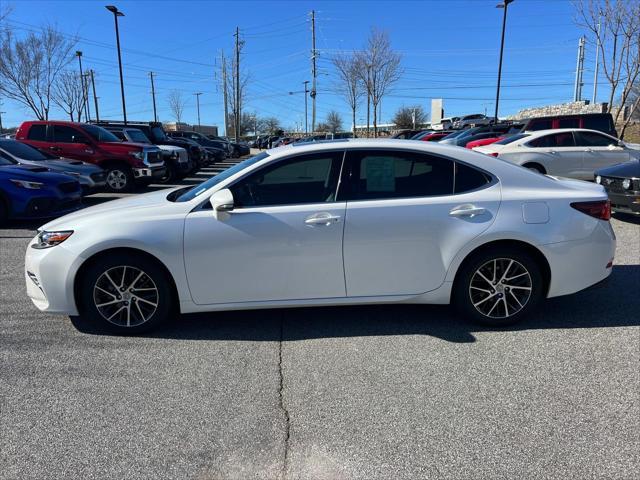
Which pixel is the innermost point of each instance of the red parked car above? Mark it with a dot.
(483, 141)
(125, 163)
(431, 136)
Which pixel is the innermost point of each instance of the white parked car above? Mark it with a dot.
(471, 120)
(567, 152)
(329, 223)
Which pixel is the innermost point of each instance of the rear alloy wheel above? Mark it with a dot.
(499, 288)
(125, 294)
(119, 179)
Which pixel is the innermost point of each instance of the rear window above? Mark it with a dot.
(512, 138)
(37, 132)
(540, 125)
(468, 178)
(602, 123)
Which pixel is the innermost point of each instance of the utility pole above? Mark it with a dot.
(306, 116)
(224, 94)
(82, 85)
(153, 97)
(86, 94)
(368, 99)
(1, 118)
(237, 109)
(577, 91)
(95, 98)
(198, 104)
(313, 70)
(595, 75)
(413, 118)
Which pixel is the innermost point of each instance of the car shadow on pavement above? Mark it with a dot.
(627, 218)
(615, 303)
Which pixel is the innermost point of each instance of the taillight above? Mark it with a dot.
(494, 154)
(600, 209)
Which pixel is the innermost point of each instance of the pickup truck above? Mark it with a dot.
(126, 163)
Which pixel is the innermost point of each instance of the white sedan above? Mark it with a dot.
(565, 152)
(329, 223)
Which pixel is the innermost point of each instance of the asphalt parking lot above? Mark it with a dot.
(355, 392)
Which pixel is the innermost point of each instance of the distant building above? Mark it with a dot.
(182, 127)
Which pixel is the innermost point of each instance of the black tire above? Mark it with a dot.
(4, 212)
(535, 167)
(473, 296)
(236, 152)
(170, 176)
(119, 179)
(99, 285)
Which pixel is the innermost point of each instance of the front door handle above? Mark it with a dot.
(323, 218)
(467, 210)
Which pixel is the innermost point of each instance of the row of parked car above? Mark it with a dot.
(582, 146)
(50, 165)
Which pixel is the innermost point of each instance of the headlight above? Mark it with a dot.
(26, 184)
(598, 179)
(139, 155)
(626, 183)
(51, 239)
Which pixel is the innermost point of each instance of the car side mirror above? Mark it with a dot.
(222, 203)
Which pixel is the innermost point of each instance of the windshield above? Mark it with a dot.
(206, 185)
(454, 135)
(99, 134)
(512, 138)
(137, 136)
(158, 134)
(23, 151)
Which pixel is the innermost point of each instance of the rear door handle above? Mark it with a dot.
(323, 218)
(467, 210)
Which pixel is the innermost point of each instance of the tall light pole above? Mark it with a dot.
(82, 85)
(117, 13)
(505, 6)
(198, 104)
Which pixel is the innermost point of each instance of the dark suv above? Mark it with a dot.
(157, 135)
(218, 150)
(602, 122)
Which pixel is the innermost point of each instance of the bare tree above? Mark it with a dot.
(379, 68)
(334, 122)
(350, 85)
(271, 125)
(614, 26)
(410, 117)
(176, 102)
(30, 66)
(68, 94)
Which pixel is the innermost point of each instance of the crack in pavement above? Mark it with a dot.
(287, 418)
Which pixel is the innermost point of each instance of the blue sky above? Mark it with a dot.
(449, 47)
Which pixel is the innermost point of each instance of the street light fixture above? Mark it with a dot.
(117, 13)
(504, 5)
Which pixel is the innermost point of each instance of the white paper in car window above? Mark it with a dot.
(380, 174)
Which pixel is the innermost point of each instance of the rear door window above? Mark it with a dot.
(468, 178)
(380, 174)
(556, 140)
(37, 132)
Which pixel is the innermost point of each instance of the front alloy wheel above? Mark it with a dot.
(125, 296)
(119, 180)
(125, 292)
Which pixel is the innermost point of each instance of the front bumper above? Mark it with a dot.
(625, 203)
(49, 277)
(149, 173)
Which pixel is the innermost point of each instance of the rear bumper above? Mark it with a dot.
(579, 264)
